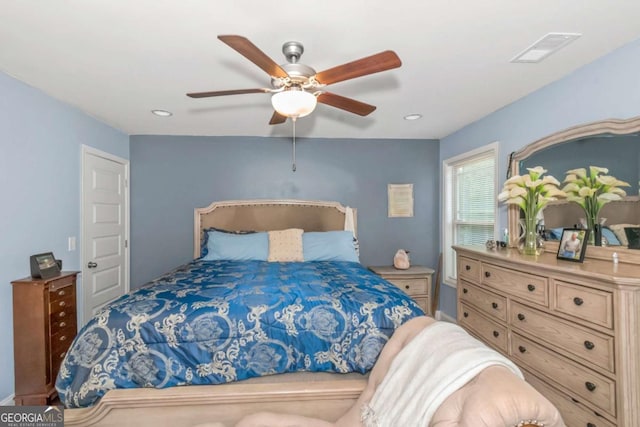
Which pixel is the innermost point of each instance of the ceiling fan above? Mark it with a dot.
(297, 87)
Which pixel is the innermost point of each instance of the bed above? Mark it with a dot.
(320, 316)
(326, 396)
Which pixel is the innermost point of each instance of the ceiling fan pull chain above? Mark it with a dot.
(293, 166)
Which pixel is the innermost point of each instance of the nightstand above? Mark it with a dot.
(415, 282)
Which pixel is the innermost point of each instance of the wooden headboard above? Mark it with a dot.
(566, 214)
(265, 215)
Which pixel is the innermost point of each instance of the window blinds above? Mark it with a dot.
(475, 204)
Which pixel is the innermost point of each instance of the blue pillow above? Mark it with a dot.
(329, 246)
(610, 237)
(205, 238)
(555, 233)
(236, 247)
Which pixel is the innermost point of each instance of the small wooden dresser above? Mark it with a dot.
(573, 328)
(44, 324)
(415, 282)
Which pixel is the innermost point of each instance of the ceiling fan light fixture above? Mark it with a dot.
(294, 102)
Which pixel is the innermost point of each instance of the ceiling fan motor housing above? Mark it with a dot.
(292, 51)
(299, 74)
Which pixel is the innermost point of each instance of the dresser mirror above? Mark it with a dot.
(614, 144)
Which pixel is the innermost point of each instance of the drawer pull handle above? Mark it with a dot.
(467, 267)
(522, 349)
(465, 290)
(589, 345)
(494, 305)
(591, 425)
(496, 334)
(407, 286)
(61, 293)
(62, 338)
(487, 274)
(578, 301)
(62, 314)
(62, 303)
(531, 287)
(590, 386)
(521, 317)
(465, 314)
(63, 324)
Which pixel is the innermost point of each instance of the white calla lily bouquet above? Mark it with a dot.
(593, 190)
(531, 192)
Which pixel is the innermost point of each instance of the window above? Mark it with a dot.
(470, 202)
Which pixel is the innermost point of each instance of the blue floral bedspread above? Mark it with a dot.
(212, 322)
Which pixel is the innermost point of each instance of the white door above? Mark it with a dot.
(105, 228)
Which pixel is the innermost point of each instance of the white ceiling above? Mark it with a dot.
(118, 59)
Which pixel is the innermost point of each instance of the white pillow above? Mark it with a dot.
(285, 245)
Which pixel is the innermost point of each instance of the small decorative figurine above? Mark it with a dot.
(401, 260)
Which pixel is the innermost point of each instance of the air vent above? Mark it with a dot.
(544, 47)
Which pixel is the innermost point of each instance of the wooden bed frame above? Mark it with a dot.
(320, 395)
(326, 396)
(265, 215)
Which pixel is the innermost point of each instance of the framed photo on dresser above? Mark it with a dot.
(573, 244)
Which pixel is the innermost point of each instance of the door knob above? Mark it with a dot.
(92, 264)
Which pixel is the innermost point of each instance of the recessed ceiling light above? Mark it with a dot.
(544, 47)
(162, 113)
(413, 116)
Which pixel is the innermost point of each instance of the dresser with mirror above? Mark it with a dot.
(572, 327)
(612, 143)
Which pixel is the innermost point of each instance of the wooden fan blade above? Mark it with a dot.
(277, 118)
(347, 104)
(250, 51)
(226, 92)
(371, 64)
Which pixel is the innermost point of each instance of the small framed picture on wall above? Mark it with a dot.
(573, 244)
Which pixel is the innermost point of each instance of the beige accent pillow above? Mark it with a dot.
(285, 245)
(618, 229)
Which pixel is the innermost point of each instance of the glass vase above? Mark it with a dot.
(530, 242)
(595, 230)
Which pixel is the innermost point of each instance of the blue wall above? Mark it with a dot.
(40, 167)
(607, 88)
(170, 176)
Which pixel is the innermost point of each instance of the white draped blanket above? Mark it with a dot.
(437, 362)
